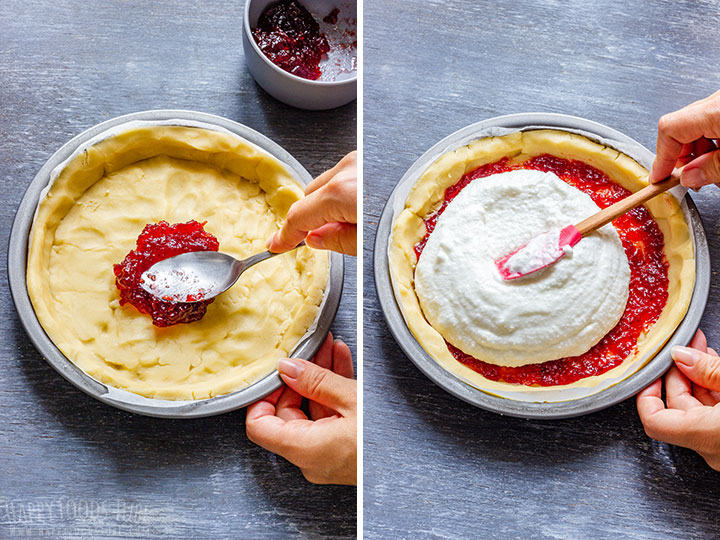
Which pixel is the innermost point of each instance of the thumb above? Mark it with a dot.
(702, 170)
(701, 368)
(319, 384)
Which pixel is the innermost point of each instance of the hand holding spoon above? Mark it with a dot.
(547, 248)
(199, 275)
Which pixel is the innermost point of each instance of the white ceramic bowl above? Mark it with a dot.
(288, 88)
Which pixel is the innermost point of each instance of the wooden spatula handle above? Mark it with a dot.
(605, 216)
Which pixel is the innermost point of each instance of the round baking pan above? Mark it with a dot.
(629, 386)
(122, 399)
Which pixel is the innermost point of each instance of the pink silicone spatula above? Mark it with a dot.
(547, 248)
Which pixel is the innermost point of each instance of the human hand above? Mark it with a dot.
(326, 218)
(323, 446)
(692, 392)
(688, 138)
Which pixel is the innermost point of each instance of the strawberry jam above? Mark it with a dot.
(156, 243)
(290, 37)
(643, 242)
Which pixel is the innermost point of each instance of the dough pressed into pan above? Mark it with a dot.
(90, 219)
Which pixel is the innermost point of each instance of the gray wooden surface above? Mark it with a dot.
(436, 467)
(71, 467)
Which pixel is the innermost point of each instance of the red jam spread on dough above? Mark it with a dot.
(643, 242)
(156, 243)
(290, 37)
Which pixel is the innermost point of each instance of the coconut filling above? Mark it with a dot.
(559, 311)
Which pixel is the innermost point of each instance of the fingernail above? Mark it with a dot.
(291, 368)
(685, 355)
(652, 177)
(694, 177)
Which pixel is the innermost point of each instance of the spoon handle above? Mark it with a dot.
(605, 216)
(254, 259)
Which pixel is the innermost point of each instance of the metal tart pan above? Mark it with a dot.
(122, 399)
(624, 389)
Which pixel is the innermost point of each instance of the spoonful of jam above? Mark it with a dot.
(197, 276)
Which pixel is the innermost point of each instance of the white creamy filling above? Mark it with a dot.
(562, 310)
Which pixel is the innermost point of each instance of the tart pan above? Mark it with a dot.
(620, 391)
(122, 399)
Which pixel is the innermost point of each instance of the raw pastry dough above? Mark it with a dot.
(427, 195)
(91, 218)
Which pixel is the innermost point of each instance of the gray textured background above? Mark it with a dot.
(435, 467)
(71, 467)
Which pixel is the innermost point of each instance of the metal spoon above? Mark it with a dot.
(197, 276)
